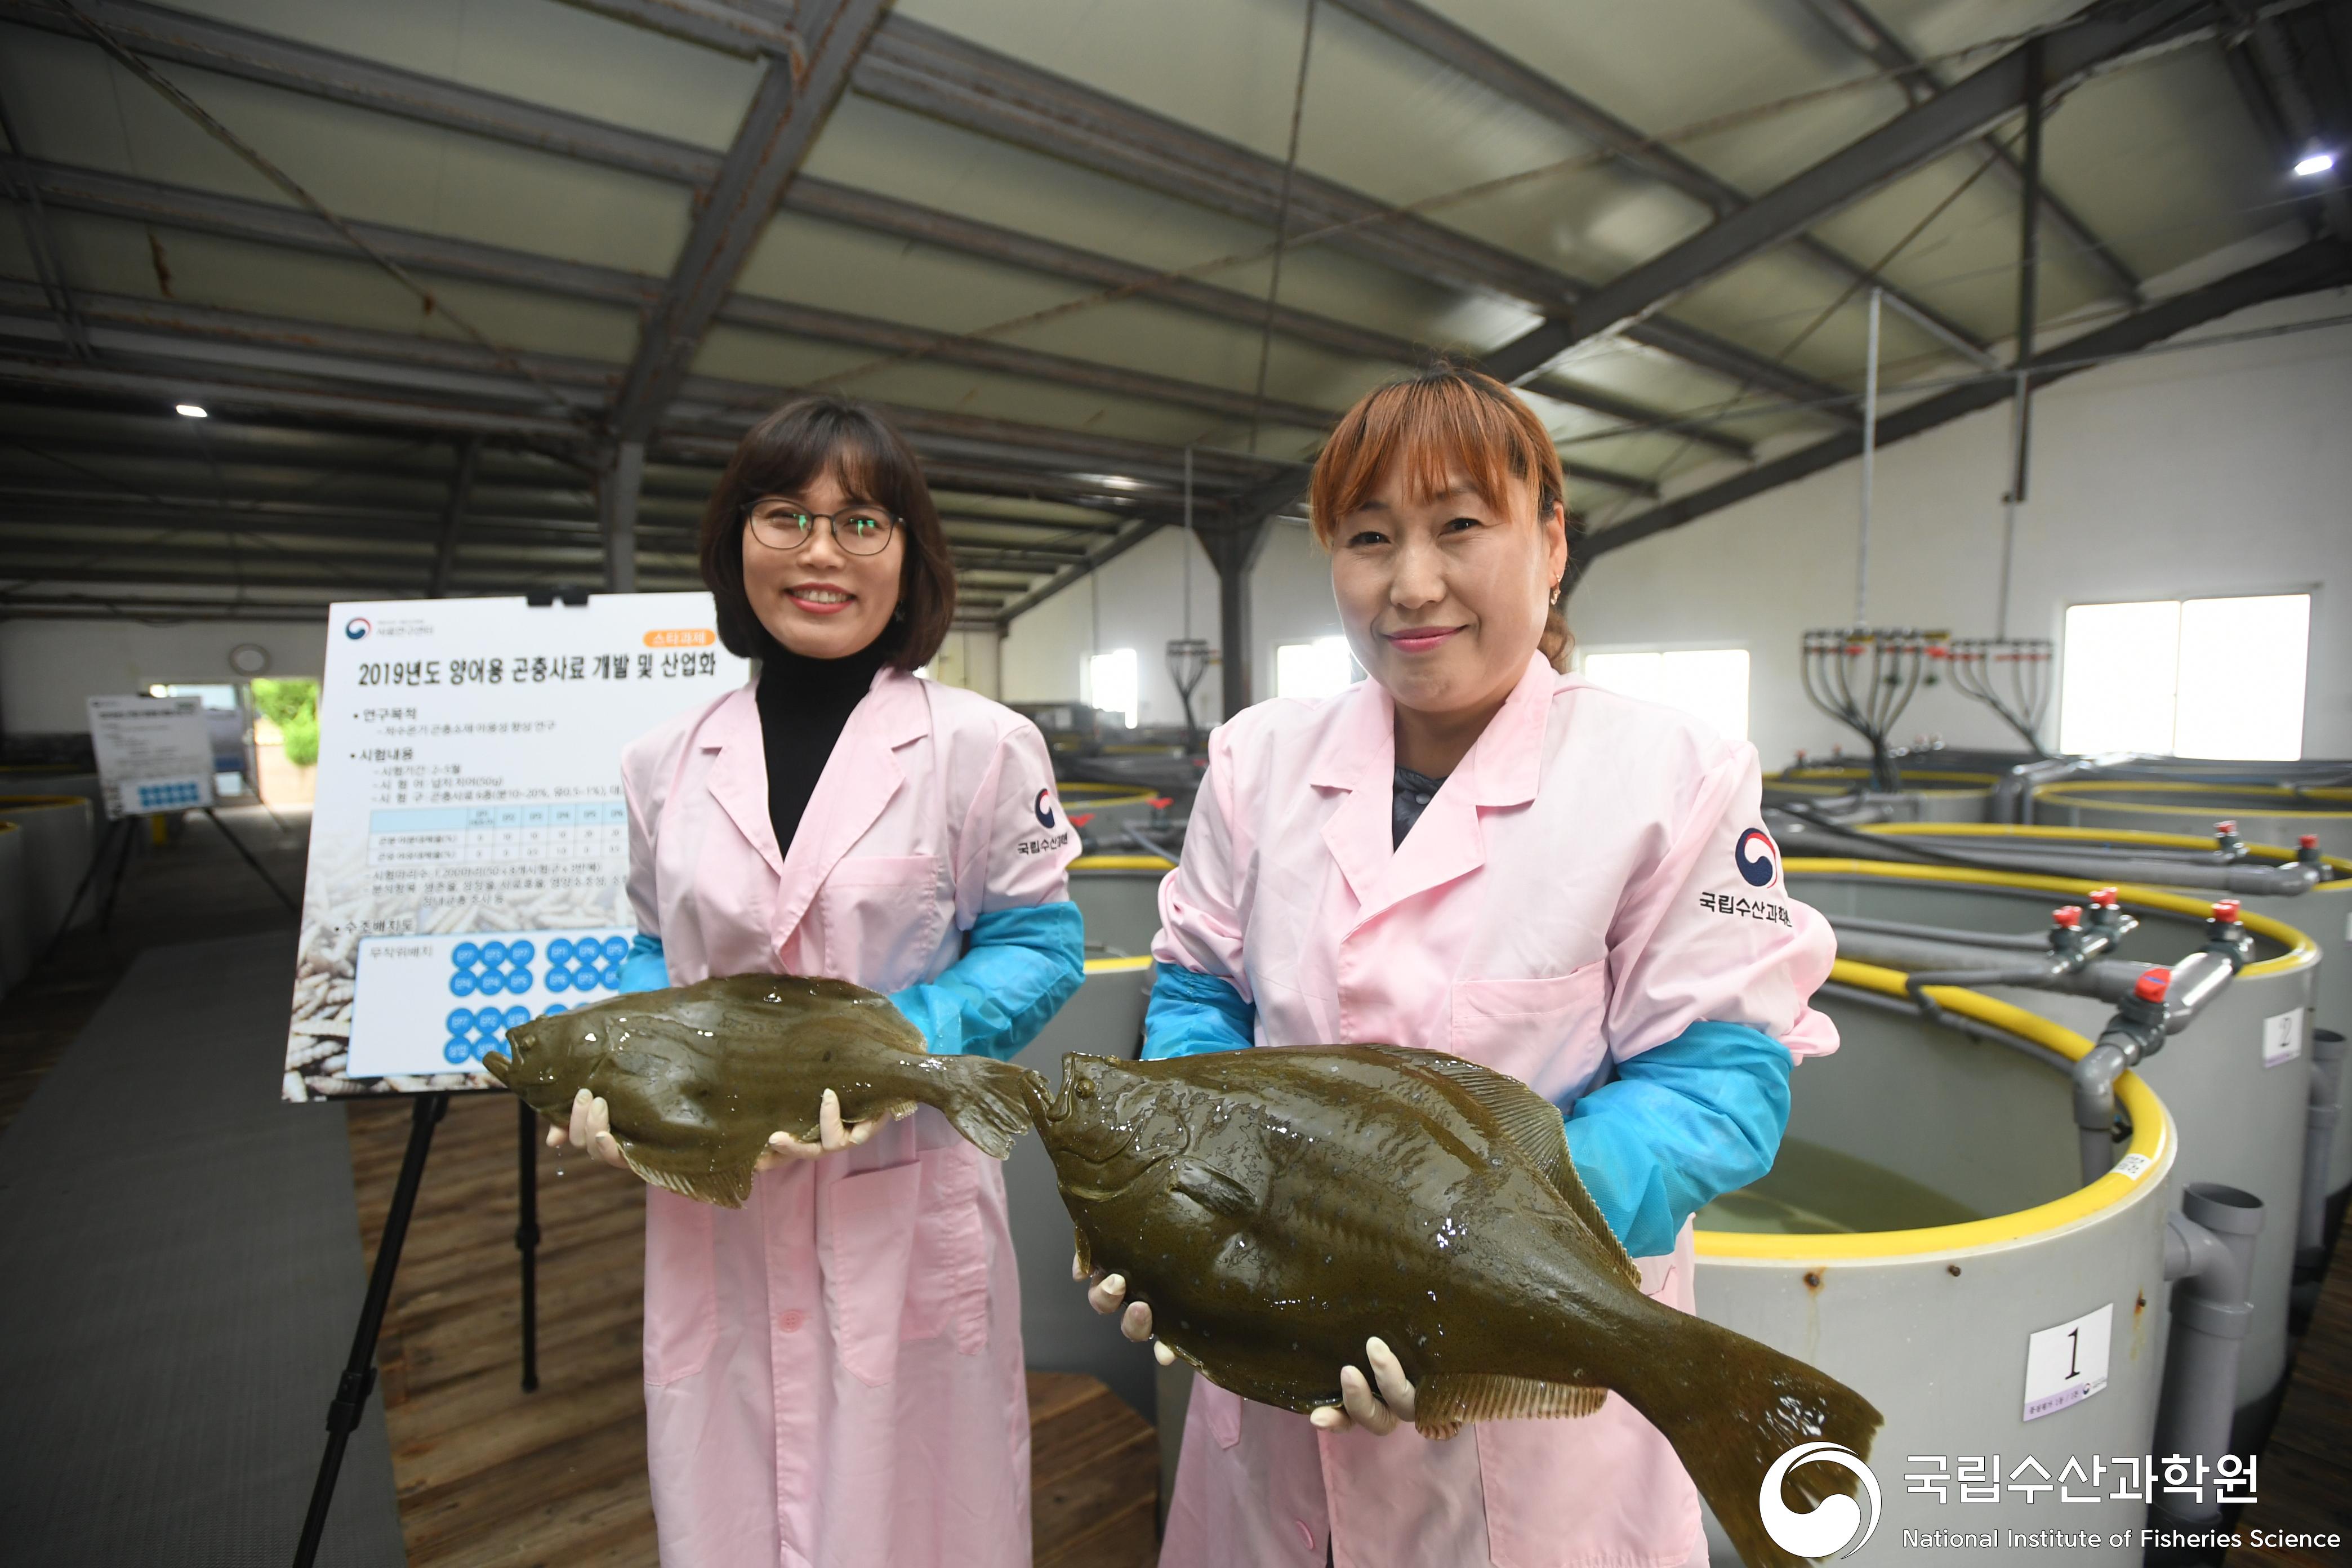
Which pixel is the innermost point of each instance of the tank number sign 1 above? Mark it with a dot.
(2067, 1365)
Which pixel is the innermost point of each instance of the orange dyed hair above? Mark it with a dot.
(1447, 420)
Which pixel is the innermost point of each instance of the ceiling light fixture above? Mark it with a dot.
(193, 411)
(2316, 164)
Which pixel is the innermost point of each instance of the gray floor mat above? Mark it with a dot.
(180, 1269)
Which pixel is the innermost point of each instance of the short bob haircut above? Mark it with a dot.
(1447, 420)
(788, 451)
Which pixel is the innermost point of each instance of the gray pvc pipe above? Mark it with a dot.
(2094, 1104)
(2029, 943)
(2209, 1244)
(2327, 1049)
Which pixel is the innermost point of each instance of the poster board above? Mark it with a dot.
(470, 847)
(155, 754)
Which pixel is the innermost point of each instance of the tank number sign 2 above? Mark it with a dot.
(2067, 1365)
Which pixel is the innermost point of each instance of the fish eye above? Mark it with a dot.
(1086, 1089)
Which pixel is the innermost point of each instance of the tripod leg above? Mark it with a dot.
(121, 864)
(359, 1372)
(114, 830)
(527, 1241)
(238, 844)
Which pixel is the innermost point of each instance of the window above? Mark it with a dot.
(1711, 684)
(2188, 678)
(1110, 684)
(1317, 668)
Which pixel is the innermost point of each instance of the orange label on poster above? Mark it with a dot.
(689, 636)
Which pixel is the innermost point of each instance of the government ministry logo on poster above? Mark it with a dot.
(1832, 1525)
(357, 627)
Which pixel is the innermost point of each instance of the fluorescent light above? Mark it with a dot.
(2316, 164)
(194, 410)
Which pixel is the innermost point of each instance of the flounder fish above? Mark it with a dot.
(1278, 1207)
(697, 1077)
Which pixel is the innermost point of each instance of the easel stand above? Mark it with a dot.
(526, 1239)
(359, 1372)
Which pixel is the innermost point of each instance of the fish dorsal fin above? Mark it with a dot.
(1442, 1403)
(1534, 1127)
(727, 1189)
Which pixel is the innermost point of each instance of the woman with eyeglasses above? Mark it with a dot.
(833, 1372)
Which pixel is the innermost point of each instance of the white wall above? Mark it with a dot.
(48, 668)
(2211, 470)
(968, 658)
(2216, 470)
(1137, 601)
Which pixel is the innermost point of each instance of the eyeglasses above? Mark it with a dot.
(779, 525)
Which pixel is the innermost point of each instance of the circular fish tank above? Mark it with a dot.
(1059, 1333)
(1103, 814)
(2266, 814)
(2241, 1114)
(1924, 1237)
(59, 834)
(1119, 896)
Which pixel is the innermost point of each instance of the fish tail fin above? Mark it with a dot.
(990, 1104)
(1733, 1410)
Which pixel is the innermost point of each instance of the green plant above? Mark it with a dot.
(293, 706)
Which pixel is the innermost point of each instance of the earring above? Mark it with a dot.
(1555, 593)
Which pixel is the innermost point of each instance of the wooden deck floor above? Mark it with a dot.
(2303, 1486)
(488, 1474)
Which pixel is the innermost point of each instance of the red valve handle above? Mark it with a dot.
(2226, 911)
(2227, 828)
(2309, 841)
(2067, 915)
(2105, 898)
(2152, 985)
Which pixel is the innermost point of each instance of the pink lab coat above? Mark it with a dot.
(832, 1373)
(1573, 893)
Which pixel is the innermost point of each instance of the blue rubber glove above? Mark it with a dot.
(643, 967)
(1019, 965)
(1682, 1124)
(1192, 1014)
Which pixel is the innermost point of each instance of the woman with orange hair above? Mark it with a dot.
(1476, 853)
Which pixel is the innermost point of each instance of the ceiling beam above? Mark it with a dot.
(2266, 63)
(2323, 264)
(1862, 31)
(1455, 47)
(929, 71)
(880, 214)
(268, 224)
(794, 98)
(177, 38)
(291, 67)
(711, 23)
(413, 362)
(1102, 555)
(1909, 142)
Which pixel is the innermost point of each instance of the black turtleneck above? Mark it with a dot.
(804, 704)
